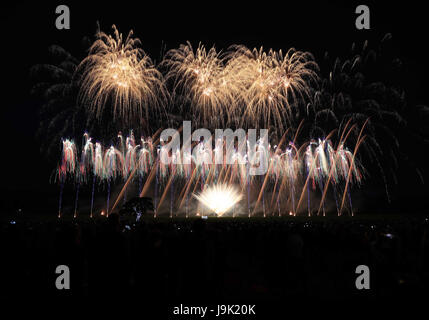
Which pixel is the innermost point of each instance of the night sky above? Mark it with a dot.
(29, 28)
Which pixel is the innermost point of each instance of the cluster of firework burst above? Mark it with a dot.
(240, 88)
(105, 163)
(118, 72)
(314, 164)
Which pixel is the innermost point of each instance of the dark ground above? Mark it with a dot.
(179, 260)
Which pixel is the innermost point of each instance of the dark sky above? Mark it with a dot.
(29, 28)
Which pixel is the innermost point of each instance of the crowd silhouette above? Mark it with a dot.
(208, 260)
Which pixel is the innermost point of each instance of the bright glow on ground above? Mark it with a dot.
(219, 198)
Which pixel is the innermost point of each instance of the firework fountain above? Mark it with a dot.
(316, 163)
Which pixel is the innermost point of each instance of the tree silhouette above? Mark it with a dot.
(137, 206)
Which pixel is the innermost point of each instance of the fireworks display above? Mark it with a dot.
(242, 87)
(315, 139)
(118, 73)
(181, 155)
(272, 84)
(291, 171)
(200, 77)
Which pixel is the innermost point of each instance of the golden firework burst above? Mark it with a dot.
(200, 76)
(274, 83)
(118, 73)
